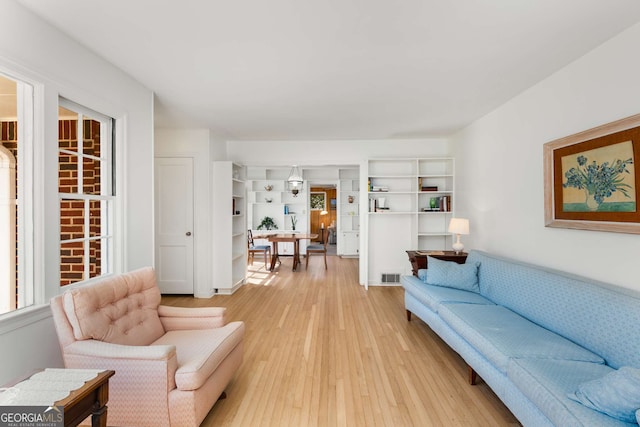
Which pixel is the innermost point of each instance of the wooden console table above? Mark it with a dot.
(418, 259)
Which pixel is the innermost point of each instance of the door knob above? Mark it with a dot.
(188, 233)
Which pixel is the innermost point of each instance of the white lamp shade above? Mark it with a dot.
(295, 177)
(459, 226)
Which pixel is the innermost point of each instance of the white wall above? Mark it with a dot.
(342, 152)
(500, 165)
(58, 66)
(194, 143)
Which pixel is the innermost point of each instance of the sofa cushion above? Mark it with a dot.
(200, 351)
(546, 382)
(432, 296)
(583, 310)
(500, 334)
(452, 275)
(617, 394)
(121, 309)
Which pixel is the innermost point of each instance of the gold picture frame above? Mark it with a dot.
(590, 179)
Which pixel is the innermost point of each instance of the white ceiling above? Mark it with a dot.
(336, 69)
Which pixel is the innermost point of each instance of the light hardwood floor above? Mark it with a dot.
(322, 351)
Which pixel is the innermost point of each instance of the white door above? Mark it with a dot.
(174, 224)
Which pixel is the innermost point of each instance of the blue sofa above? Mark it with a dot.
(551, 345)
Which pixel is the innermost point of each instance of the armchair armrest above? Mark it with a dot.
(105, 350)
(148, 370)
(180, 318)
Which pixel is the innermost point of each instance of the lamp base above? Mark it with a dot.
(457, 246)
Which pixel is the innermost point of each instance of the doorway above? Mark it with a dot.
(323, 214)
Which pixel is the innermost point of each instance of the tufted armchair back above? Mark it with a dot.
(118, 310)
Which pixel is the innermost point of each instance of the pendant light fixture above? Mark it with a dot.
(295, 181)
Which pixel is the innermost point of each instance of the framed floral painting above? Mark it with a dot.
(590, 179)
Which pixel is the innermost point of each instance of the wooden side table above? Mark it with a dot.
(418, 259)
(89, 400)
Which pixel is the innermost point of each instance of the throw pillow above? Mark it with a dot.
(452, 275)
(617, 394)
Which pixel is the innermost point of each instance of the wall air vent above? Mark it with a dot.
(390, 278)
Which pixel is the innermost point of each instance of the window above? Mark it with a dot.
(16, 179)
(86, 193)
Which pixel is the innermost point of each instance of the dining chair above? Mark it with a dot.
(253, 249)
(318, 249)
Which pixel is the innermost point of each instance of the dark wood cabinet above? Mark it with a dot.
(418, 259)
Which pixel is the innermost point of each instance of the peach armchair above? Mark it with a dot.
(172, 363)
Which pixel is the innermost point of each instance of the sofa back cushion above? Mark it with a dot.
(600, 317)
(452, 275)
(122, 309)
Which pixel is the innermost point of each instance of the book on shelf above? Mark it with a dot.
(429, 188)
(375, 207)
(379, 188)
(442, 204)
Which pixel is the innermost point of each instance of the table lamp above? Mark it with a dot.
(458, 226)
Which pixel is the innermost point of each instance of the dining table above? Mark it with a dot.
(286, 238)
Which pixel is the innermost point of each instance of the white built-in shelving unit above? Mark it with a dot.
(229, 226)
(348, 224)
(410, 204)
(267, 195)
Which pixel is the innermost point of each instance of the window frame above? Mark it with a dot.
(32, 290)
(108, 202)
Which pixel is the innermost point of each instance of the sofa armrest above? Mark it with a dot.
(407, 280)
(181, 318)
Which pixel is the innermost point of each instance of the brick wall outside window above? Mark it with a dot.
(72, 212)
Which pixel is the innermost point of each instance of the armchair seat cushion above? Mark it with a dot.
(200, 352)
